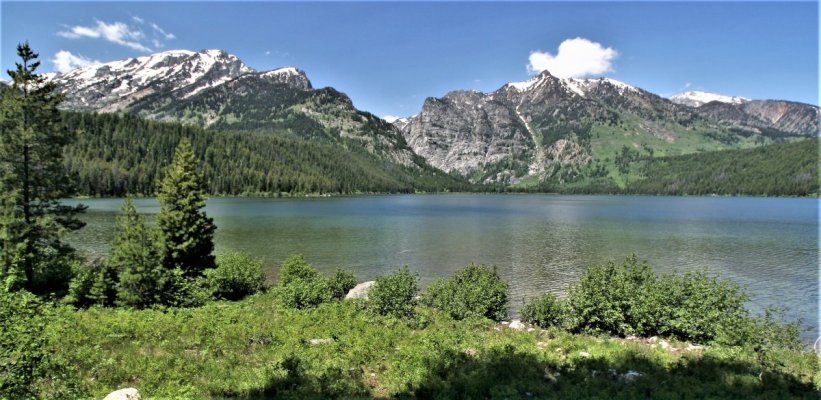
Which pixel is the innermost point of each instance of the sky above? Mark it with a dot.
(390, 56)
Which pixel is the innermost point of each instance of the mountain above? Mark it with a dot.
(699, 98)
(768, 117)
(216, 90)
(548, 130)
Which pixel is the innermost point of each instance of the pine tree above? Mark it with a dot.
(136, 257)
(187, 232)
(32, 180)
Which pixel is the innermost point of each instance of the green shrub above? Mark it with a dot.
(547, 311)
(300, 293)
(395, 294)
(237, 275)
(475, 291)
(94, 283)
(614, 298)
(29, 367)
(295, 267)
(300, 285)
(341, 282)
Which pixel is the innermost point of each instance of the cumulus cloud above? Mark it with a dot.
(576, 58)
(64, 61)
(131, 36)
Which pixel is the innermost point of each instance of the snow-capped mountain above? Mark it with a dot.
(181, 74)
(559, 129)
(696, 98)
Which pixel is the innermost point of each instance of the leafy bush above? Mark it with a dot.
(341, 282)
(300, 293)
(614, 299)
(94, 283)
(295, 267)
(395, 294)
(475, 291)
(28, 365)
(547, 311)
(630, 299)
(300, 285)
(237, 275)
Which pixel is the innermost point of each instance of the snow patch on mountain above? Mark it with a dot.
(699, 98)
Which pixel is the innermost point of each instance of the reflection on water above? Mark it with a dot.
(539, 242)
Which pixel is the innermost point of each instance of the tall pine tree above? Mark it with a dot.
(135, 255)
(187, 233)
(32, 180)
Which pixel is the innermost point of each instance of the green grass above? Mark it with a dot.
(256, 349)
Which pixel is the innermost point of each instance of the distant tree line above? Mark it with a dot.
(117, 154)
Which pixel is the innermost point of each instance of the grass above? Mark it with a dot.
(256, 349)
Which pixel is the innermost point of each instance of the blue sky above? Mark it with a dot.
(388, 57)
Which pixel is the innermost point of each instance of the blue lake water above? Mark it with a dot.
(538, 242)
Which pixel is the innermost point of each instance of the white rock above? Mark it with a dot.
(360, 291)
(630, 375)
(664, 344)
(517, 325)
(694, 347)
(124, 394)
(584, 354)
(315, 342)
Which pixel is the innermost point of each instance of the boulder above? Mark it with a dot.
(517, 325)
(360, 291)
(124, 394)
(315, 342)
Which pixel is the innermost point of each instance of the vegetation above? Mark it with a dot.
(475, 291)
(395, 294)
(237, 275)
(32, 180)
(630, 299)
(301, 286)
(187, 233)
(124, 154)
(782, 169)
(257, 348)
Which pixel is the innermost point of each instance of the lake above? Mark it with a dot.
(538, 242)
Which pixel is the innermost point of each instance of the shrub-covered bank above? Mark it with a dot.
(298, 339)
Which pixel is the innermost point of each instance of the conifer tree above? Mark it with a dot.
(187, 233)
(32, 180)
(136, 257)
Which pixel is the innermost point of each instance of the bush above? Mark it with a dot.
(295, 267)
(395, 294)
(237, 275)
(341, 282)
(614, 299)
(475, 291)
(28, 365)
(547, 311)
(300, 293)
(300, 285)
(94, 283)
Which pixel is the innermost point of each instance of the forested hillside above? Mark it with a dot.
(782, 169)
(117, 154)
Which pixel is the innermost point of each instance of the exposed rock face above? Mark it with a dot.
(124, 394)
(768, 117)
(535, 127)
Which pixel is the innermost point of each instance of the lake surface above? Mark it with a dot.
(539, 242)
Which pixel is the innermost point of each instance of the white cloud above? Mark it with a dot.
(576, 58)
(115, 32)
(166, 35)
(131, 36)
(64, 61)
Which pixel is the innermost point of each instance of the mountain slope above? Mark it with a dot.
(560, 131)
